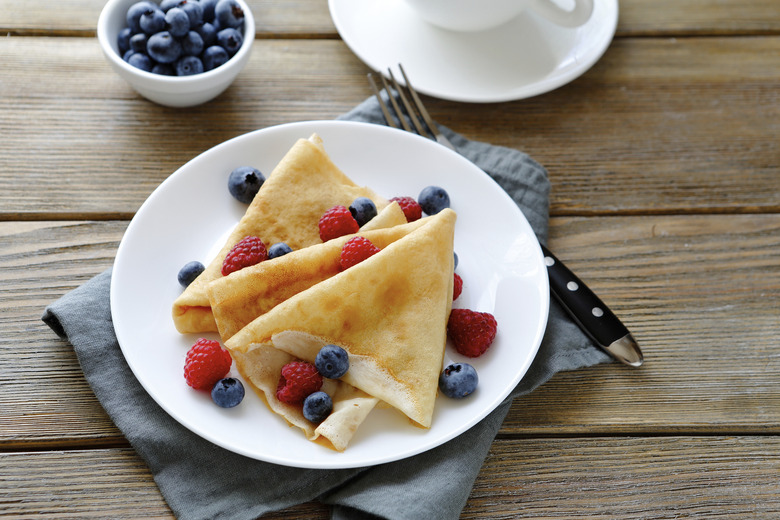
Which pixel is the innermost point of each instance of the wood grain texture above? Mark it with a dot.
(665, 199)
(311, 18)
(669, 126)
(710, 343)
(602, 478)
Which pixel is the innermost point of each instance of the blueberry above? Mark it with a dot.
(152, 21)
(164, 69)
(192, 44)
(177, 21)
(278, 249)
(363, 209)
(244, 182)
(194, 11)
(208, 33)
(189, 272)
(458, 380)
(317, 407)
(189, 65)
(140, 61)
(123, 40)
(214, 56)
(134, 14)
(433, 199)
(228, 392)
(164, 48)
(455, 257)
(166, 5)
(332, 361)
(208, 9)
(230, 39)
(229, 13)
(138, 42)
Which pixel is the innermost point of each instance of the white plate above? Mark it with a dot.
(522, 58)
(189, 215)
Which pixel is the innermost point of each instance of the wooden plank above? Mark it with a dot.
(702, 297)
(111, 483)
(700, 293)
(658, 126)
(302, 18)
(693, 17)
(312, 17)
(603, 478)
(630, 478)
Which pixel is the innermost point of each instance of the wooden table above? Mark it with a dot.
(665, 168)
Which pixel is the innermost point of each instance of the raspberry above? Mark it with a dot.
(337, 222)
(206, 363)
(410, 207)
(471, 332)
(355, 250)
(249, 251)
(298, 380)
(457, 287)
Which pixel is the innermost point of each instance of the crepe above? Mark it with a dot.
(302, 187)
(389, 312)
(261, 368)
(242, 296)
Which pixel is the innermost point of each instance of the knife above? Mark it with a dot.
(590, 313)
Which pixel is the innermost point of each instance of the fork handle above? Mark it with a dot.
(590, 313)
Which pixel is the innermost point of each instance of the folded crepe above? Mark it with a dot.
(242, 296)
(302, 187)
(261, 368)
(389, 312)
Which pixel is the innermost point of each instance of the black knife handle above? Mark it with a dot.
(582, 303)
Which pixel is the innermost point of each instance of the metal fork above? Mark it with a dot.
(426, 128)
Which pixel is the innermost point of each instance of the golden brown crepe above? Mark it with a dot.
(302, 187)
(242, 296)
(389, 312)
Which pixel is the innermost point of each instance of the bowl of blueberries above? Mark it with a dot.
(177, 53)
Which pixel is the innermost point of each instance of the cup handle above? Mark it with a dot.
(559, 16)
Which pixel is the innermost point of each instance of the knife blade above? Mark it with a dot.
(590, 313)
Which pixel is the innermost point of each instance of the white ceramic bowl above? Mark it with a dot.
(172, 91)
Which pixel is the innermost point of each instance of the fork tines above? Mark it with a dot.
(406, 111)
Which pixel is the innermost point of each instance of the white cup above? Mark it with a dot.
(478, 15)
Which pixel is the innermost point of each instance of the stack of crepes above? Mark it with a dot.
(388, 312)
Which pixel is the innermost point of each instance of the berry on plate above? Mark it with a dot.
(355, 250)
(244, 182)
(410, 207)
(278, 249)
(458, 380)
(457, 286)
(298, 379)
(249, 251)
(433, 199)
(337, 222)
(206, 363)
(332, 361)
(228, 392)
(363, 209)
(471, 332)
(189, 272)
(317, 407)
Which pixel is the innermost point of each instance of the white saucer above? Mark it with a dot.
(522, 58)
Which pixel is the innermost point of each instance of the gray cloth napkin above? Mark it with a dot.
(200, 480)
